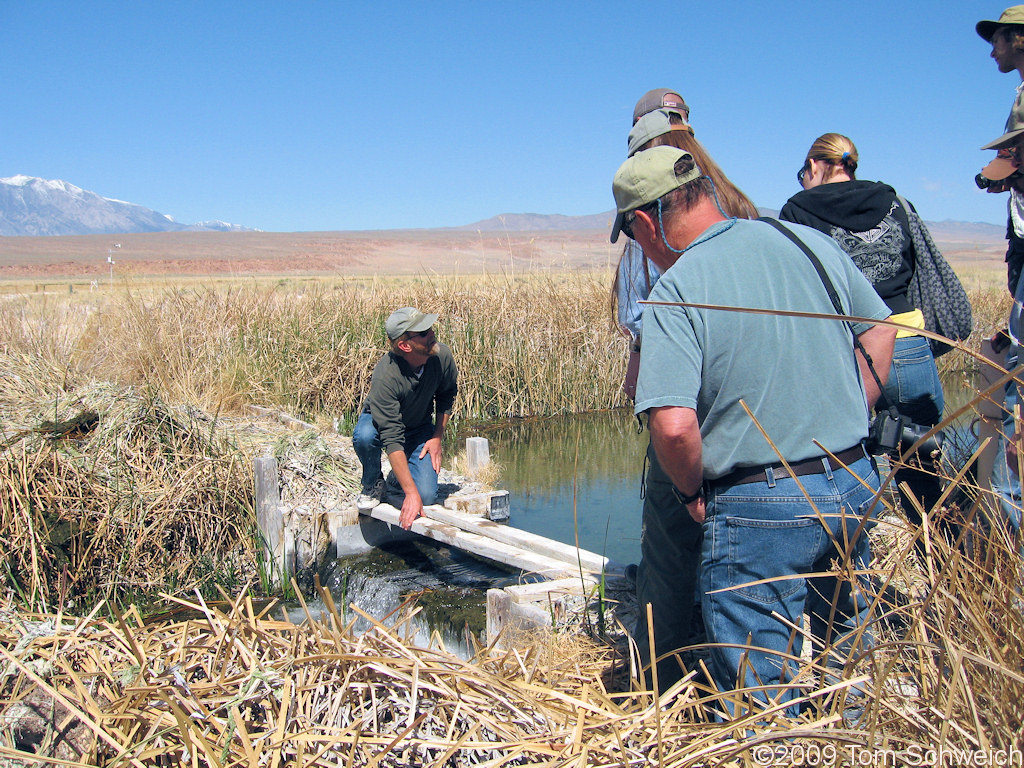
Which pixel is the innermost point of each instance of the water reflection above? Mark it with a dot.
(590, 463)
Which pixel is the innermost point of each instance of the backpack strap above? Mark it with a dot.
(834, 297)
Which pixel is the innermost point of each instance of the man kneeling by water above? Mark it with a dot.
(409, 404)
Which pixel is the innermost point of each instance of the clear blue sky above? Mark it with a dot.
(303, 116)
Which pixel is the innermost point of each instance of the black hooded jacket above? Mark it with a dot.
(867, 220)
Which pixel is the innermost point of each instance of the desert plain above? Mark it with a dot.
(34, 263)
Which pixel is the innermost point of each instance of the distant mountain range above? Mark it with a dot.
(38, 207)
(30, 206)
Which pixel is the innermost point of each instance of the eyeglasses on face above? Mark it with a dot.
(420, 334)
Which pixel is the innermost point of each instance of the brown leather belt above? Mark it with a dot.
(806, 467)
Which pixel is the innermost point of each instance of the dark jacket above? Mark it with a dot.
(400, 402)
(867, 220)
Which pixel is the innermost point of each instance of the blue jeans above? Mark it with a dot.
(367, 445)
(765, 530)
(913, 385)
(914, 388)
(1006, 484)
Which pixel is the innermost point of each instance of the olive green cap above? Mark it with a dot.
(645, 177)
(654, 124)
(1011, 16)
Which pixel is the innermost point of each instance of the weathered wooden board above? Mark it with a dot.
(507, 534)
(481, 546)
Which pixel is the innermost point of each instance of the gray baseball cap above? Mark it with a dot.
(658, 98)
(406, 320)
(655, 124)
(646, 177)
(1007, 140)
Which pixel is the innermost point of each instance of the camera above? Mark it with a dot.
(984, 182)
(889, 432)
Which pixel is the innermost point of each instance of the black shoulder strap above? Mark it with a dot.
(822, 274)
(831, 290)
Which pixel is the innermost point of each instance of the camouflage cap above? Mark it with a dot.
(1011, 16)
(646, 177)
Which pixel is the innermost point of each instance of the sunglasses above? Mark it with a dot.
(630, 218)
(627, 225)
(419, 334)
(803, 172)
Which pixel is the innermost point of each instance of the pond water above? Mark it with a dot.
(580, 475)
(575, 479)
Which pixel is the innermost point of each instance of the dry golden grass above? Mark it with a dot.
(106, 430)
(226, 684)
(109, 493)
(533, 345)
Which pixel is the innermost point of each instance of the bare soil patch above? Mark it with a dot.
(240, 254)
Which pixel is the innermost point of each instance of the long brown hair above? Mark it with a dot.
(733, 201)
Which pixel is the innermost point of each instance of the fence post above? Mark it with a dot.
(269, 517)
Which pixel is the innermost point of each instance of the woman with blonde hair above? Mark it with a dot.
(872, 224)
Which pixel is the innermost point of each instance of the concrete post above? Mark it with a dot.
(478, 453)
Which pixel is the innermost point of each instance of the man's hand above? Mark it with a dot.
(698, 510)
(412, 508)
(433, 447)
(997, 187)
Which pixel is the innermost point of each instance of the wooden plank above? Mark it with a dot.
(482, 546)
(516, 537)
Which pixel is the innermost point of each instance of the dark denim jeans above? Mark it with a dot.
(667, 575)
(914, 388)
(763, 530)
(367, 445)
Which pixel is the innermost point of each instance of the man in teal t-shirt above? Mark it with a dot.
(747, 411)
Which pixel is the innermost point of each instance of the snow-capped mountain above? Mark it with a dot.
(33, 206)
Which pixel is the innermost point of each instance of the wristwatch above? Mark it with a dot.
(688, 500)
